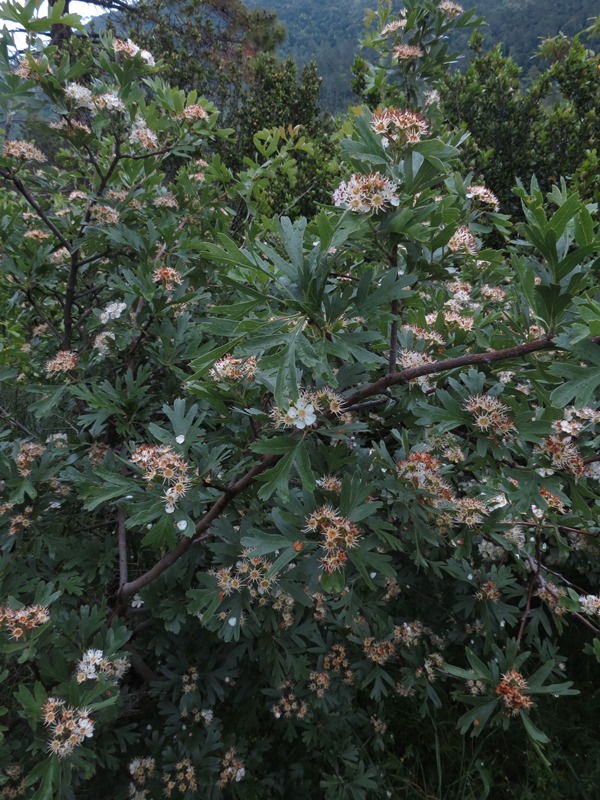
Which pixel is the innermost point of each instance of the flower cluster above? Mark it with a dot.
(303, 412)
(289, 706)
(488, 593)
(141, 134)
(329, 483)
(590, 604)
(131, 50)
(563, 454)
(450, 8)
(409, 634)
(407, 359)
(183, 779)
(189, 680)
(95, 665)
(511, 688)
(366, 193)
(102, 341)
(168, 277)
(193, 113)
(63, 361)
(112, 311)
(229, 368)
(394, 26)
(339, 535)
(24, 151)
(19, 522)
(233, 769)
(105, 215)
(424, 334)
(20, 620)
(379, 651)
(406, 52)
(336, 660)
(398, 125)
(463, 241)
(484, 196)
(28, 452)
(140, 769)
(69, 726)
(15, 782)
(251, 573)
(163, 461)
(423, 471)
(490, 414)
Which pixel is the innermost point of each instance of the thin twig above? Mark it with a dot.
(20, 187)
(394, 308)
(532, 580)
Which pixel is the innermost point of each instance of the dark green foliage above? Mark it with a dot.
(550, 128)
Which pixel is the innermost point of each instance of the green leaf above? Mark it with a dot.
(277, 479)
(333, 583)
(534, 733)
(305, 472)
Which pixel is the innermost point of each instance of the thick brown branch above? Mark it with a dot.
(268, 461)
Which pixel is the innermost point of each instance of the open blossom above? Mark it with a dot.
(563, 454)
(24, 151)
(366, 193)
(112, 311)
(302, 414)
(63, 361)
(399, 125)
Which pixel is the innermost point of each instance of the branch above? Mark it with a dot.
(12, 421)
(20, 187)
(122, 546)
(268, 461)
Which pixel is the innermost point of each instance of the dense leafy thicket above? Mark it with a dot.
(290, 508)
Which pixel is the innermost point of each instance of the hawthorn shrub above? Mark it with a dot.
(285, 507)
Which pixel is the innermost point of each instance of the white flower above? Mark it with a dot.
(182, 525)
(180, 439)
(112, 311)
(137, 601)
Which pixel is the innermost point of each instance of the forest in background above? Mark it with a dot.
(329, 32)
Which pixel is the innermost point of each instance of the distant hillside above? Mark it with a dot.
(329, 32)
